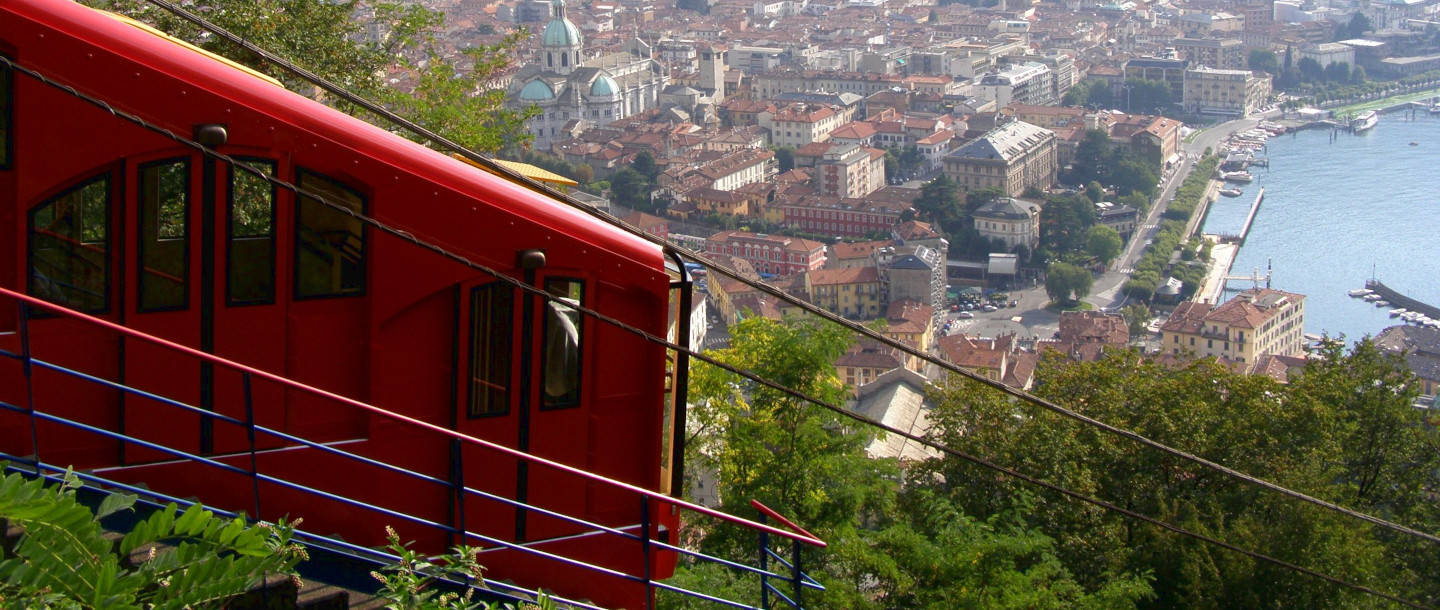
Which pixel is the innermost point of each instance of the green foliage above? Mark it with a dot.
(888, 548)
(1103, 243)
(1100, 162)
(1150, 270)
(413, 582)
(1355, 28)
(453, 98)
(1264, 60)
(1136, 316)
(1064, 223)
(1062, 280)
(1341, 430)
(785, 158)
(63, 559)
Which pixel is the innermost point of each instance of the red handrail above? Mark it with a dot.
(769, 512)
(515, 453)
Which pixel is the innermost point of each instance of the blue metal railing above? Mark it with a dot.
(647, 542)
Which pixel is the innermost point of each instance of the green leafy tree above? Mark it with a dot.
(1264, 60)
(1136, 316)
(1062, 280)
(644, 163)
(1103, 243)
(1310, 70)
(1338, 72)
(630, 189)
(940, 202)
(1295, 435)
(1064, 221)
(785, 158)
(450, 97)
(1358, 25)
(1148, 96)
(64, 560)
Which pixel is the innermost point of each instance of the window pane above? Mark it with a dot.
(251, 255)
(164, 234)
(329, 244)
(5, 106)
(560, 372)
(491, 312)
(69, 247)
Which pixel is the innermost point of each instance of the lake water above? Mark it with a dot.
(1337, 212)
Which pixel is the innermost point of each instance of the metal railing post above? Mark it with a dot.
(457, 492)
(250, 434)
(796, 574)
(25, 368)
(645, 550)
(764, 565)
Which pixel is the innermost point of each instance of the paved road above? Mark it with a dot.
(1105, 292)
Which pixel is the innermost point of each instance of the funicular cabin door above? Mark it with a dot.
(199, 269)
(521, 386)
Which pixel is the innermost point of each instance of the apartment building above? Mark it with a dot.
(1015, 222)
(1013, 156)
(1254, 323)
(1170, 70)
(851, 171)
(796, 125)
(852, 292)
(768, 254)
(1028, 83)
(1237, 93)
(1223, 53)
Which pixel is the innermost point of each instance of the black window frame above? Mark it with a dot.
(568, 402)
(7, 116)
(140, 240)
(230, 237)
(300, 202)
(108, 178)
(501, 343)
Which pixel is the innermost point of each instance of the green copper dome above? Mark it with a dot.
(604, 86)
(536, 90)
(560, 32)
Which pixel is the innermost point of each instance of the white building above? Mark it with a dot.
(569, 87)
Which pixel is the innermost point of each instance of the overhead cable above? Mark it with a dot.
(538, 292)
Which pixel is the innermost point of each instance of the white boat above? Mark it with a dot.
(1395, 313)
(1231, 192)
(1359, 292)
(1364, 120)
(1372, 297)
(1241, 177)
(1382, 303)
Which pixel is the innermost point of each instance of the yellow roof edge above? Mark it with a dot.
(525, 169)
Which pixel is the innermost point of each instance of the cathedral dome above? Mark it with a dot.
(560, 32)
(604, 86)
(536, 90)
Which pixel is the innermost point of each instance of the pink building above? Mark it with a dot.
(772, 254)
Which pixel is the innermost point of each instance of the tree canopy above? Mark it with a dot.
(452, 98)
(1064, 281)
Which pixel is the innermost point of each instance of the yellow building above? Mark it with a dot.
(1254, 323)
(1237, 93)
(853, 292)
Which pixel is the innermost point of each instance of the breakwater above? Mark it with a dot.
(1400, 301)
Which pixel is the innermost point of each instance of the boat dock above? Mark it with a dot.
(1239, 239)
(1401, 301)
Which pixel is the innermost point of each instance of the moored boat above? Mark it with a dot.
(1231, 192)
(1359, 292)
(1364, 120)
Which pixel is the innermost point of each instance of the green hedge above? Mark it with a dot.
(1150, 269)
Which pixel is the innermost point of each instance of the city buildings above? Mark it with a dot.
(769, 254)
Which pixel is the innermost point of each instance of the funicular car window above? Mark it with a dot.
(560, 364)
(329, 244)
(69, 247)
(5, 106)
(164, 242)
(492, 310)
(250, 257)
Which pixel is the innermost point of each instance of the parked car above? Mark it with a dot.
(988, 308)
(965, 315)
